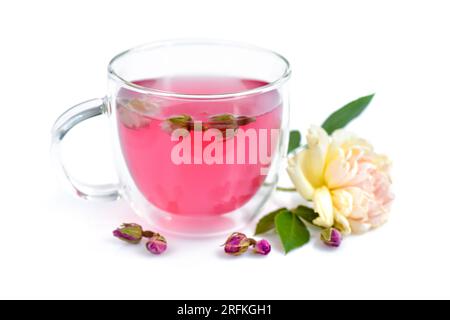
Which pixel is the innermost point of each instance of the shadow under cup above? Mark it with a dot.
(199, 132)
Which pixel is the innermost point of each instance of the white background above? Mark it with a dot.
(54, 55)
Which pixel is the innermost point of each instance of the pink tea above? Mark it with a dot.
(198, 187)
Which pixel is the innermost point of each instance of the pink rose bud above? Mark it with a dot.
(157, 244)
(331, 237)
(262, 247)
(129, 232)
(237, 244)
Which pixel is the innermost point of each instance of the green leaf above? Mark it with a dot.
(267, 222)
(291, 230)
(305, 213)
(346, 114)
(295, 138)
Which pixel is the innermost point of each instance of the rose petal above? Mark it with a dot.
(342, 223)
(316, 155)
(359, 227)
(323, 205)
(299, 180)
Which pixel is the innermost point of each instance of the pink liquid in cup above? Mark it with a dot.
(195, 189)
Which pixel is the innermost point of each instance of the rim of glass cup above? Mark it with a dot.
(174, 43)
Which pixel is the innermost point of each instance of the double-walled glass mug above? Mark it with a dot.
(199, 130)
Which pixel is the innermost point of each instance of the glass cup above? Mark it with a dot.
(199, 129)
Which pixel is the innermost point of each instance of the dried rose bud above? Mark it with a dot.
(157, 244)
(331, 237)
(227, 124)
(244, 120)
(237, 244)
(222, 122)
(262, 247)
(178, 122)
(129, 232)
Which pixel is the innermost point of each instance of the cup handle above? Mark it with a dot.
(62, 126)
